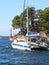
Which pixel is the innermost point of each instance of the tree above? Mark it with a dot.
(39, 20)
(32, 15)
(20, 21)
(44, 20)
(16, 22)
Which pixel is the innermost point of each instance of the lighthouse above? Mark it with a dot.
(11, 37)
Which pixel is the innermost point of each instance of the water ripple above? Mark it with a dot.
(10, 56)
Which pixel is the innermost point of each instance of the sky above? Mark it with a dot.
(11, 8)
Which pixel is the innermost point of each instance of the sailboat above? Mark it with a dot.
(21, 43)
(29, 42)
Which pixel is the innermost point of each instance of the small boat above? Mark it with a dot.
(39, 44)
(37, 41)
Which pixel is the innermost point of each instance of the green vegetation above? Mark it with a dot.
(38, 20)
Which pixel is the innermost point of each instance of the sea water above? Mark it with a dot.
(10, 56)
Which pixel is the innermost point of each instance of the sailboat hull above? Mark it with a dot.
(20, 45)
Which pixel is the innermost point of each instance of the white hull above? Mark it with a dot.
(20, 45)
(42, 45)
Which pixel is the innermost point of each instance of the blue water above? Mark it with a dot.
(10, 56)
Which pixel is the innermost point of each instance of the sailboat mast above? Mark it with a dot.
(27, 17)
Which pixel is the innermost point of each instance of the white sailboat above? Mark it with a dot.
(22, 44)
(27, 42)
